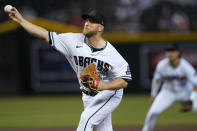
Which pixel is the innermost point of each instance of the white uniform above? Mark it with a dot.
(177, 86)
(110, 65)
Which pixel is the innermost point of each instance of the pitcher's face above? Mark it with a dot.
(91, 27)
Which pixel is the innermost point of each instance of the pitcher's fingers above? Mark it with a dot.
(11, 15)
(13, 10)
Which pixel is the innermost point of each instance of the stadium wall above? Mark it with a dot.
(26, 72)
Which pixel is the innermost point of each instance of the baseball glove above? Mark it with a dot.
(90, 78)
(186, 106)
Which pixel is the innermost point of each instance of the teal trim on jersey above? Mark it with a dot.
(52, 38)
(105, 45)
(93, 47)
(98, 110)
(126, 77)
(89, 46)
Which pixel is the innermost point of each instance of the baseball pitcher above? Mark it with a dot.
(179, 80)
(101, 71)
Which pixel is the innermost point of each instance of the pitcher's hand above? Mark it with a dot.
(15, 15)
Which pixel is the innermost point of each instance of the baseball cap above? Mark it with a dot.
(172, 47)
(95, 15)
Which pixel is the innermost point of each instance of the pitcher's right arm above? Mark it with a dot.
(33, 29)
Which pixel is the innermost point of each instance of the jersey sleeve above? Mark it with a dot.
(190, 73)
(60, 42)
(157, 73)
(123, 71)
(157, 78)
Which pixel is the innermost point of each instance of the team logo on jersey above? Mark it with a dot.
(128, 72)
(171, 78)
(79, 46)
(102, 66)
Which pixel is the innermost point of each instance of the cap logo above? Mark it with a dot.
(93, 12)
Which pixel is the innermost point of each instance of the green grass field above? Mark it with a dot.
(61, 111)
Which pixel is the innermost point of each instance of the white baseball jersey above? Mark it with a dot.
(177, 86)
(175, 78)
(110, 65)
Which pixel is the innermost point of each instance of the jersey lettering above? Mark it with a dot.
(93, 60)
(81, 60)
(171, 78)
(85, 61)
(75, 58)
(100, 65)
(106, 67)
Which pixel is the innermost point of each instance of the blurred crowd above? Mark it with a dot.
(121, 15)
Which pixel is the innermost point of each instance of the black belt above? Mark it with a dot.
(90, 93)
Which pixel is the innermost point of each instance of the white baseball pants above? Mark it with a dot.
(97, 110)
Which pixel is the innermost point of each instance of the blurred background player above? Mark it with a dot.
(179, 83)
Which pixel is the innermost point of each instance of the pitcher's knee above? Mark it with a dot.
(86, 120)
(83, 118)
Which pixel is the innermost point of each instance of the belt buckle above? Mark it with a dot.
(92, 93)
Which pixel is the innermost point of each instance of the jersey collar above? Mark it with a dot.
(92, 48)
